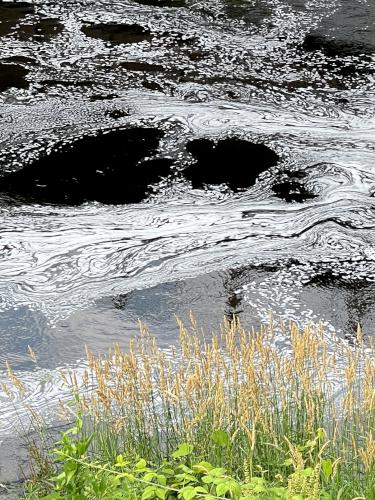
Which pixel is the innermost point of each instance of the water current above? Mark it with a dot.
(294, 75)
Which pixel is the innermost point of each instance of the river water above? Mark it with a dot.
(295, 75)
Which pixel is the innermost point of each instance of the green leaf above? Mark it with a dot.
(308, 472)
(221, 438)
(311, 444)
(168, 471)
(185, 469)
(279, 492)
(83, 445)
(230, 486)
(162, 479)
(321, 433)
(200, 489)
(222, 489)
(257, 485)
(327, 467)
(70, 468)
(202, 467)
(120, 461)
(186, 478)
(183, 450)
(188, 492)
(149, 492)
(126, 475)
(141, 464)
(161, 493)
(57, 479)
(217, 472)
(149, 476)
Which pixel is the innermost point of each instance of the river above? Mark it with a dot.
(202, 80)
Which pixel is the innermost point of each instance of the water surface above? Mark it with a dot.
(294, 75)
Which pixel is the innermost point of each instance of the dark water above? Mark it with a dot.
(164, 156)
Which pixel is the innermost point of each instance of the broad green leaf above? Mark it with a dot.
(186, 478)
(218, 471)
(161, 479)
(120, 461)
(168, 471)
(183, 450)
(161, 493)
(200, 489)
(126, 475)
(185, 469)
(222, 489)
(149, 476)
(149, 492)
(308, 472)
(327, 467)
(202, 467)
(188, 493)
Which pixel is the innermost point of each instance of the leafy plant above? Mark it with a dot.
(178, 477)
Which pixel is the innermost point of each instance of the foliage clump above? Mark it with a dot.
(250, 407)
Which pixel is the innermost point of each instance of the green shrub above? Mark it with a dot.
(80, 477)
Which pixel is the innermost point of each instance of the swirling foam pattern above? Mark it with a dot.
(225, 73)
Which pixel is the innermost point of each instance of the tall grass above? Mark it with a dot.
(258, 403)
(266, 394)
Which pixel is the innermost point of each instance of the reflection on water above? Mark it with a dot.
(289, 290)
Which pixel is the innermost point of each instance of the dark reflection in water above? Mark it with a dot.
(11, 13)
(214, 162)
(115, 320)
(249, 13)
(40, 31)
(163, 3)
(112, 167)
(349, 31)
(13, 75)
(118, 33)
(232, 284)
(350, 302)
(210, 298)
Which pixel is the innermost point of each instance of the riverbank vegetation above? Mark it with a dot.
(275, 413)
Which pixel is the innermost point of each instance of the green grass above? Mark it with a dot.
(297, 423)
